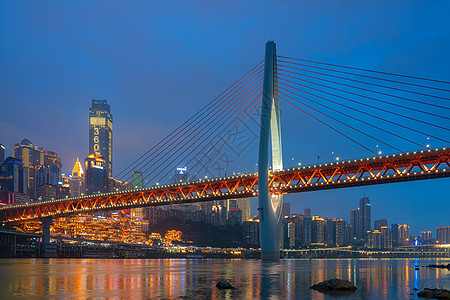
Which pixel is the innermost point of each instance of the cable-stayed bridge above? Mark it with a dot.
(362, 106)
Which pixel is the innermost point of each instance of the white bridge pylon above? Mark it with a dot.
(270, 206)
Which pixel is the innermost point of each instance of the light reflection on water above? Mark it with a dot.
(195, 279)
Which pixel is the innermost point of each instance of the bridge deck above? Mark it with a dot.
(376, 170)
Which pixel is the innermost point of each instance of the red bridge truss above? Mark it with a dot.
(376, 170)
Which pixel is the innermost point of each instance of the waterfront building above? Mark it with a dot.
(96, 175)
(360, 219)
(318, 227)
(250, 233)
(426, 236)
(336, 232)
(288, 240)
(379, 238)
(302, 231)
(77, 183)
(100, 133)
(380, 223)
(403, 235)
(13, 176)
(443, 235)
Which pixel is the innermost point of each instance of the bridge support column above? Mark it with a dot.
(46, 248)
(270, 137)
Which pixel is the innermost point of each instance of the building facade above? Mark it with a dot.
(443, 234)
(100, 132)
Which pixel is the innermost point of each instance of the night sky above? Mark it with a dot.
(159, 63)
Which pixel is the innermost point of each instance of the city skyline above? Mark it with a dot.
(161, 82)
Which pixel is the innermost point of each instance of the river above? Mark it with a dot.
(196, 278)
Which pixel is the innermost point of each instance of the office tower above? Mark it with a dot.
(13, 176)
(2, 153)
(100, 132)
(337, 230)
(379, 238)
(302, 231)
(286, 210)
(355, 222)
(443, 235)
(250, 233)
(288, 234)
(13, 181)
(181, 175)
(42, 167)
(137, 214)
(95, 175)
(365, 215)
(77, 182)
(394, 233)
(403, 237)
(379, 223)
(307, 212)
(425, 236)
(318, 231)
(244, 205)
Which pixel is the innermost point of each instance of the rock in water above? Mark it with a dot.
(434, 294)
(223, 285)
(334, 285)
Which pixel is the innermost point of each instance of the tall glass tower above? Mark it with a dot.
(100, 132)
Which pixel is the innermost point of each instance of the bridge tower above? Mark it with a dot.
(270, 206)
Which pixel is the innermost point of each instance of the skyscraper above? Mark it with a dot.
(380, 223)
(443, 234)
(365, 214)
(100, 132)
(96, 175)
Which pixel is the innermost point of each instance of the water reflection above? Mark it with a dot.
(195, 279)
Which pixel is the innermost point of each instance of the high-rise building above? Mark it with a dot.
(2, 153)
(365, 214)
(425, 236)
(286, 210)
(77, 182)
(403, 236)
(250, 233)
(355, 222)
(137, 214)
(318, 227)
(244, 205)
(96, 175)
(379, 238)
(360, 219)
(443, 234)
(380, 223)
(307, 212)
(13, 176)
(302, 231)
(100, 132)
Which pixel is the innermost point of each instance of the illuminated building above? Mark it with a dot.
(244, 205)
(42, 167)
(380, 223)
(13, 176)
(379, 238)
(318, 231)
(360, 218)
(2, 153)
(288, 234)
(425, 236)
(250, 233)
(403, 235)
(335, 232)
(100, 132)
(443, 234)
(95, 175)
(303, 231)
(77, 182)
(286, 210)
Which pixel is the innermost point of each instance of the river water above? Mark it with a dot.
(196, 278)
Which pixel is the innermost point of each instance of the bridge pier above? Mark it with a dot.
(47, 249)
(270, 206)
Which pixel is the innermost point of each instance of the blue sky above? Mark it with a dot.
(157, 63)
